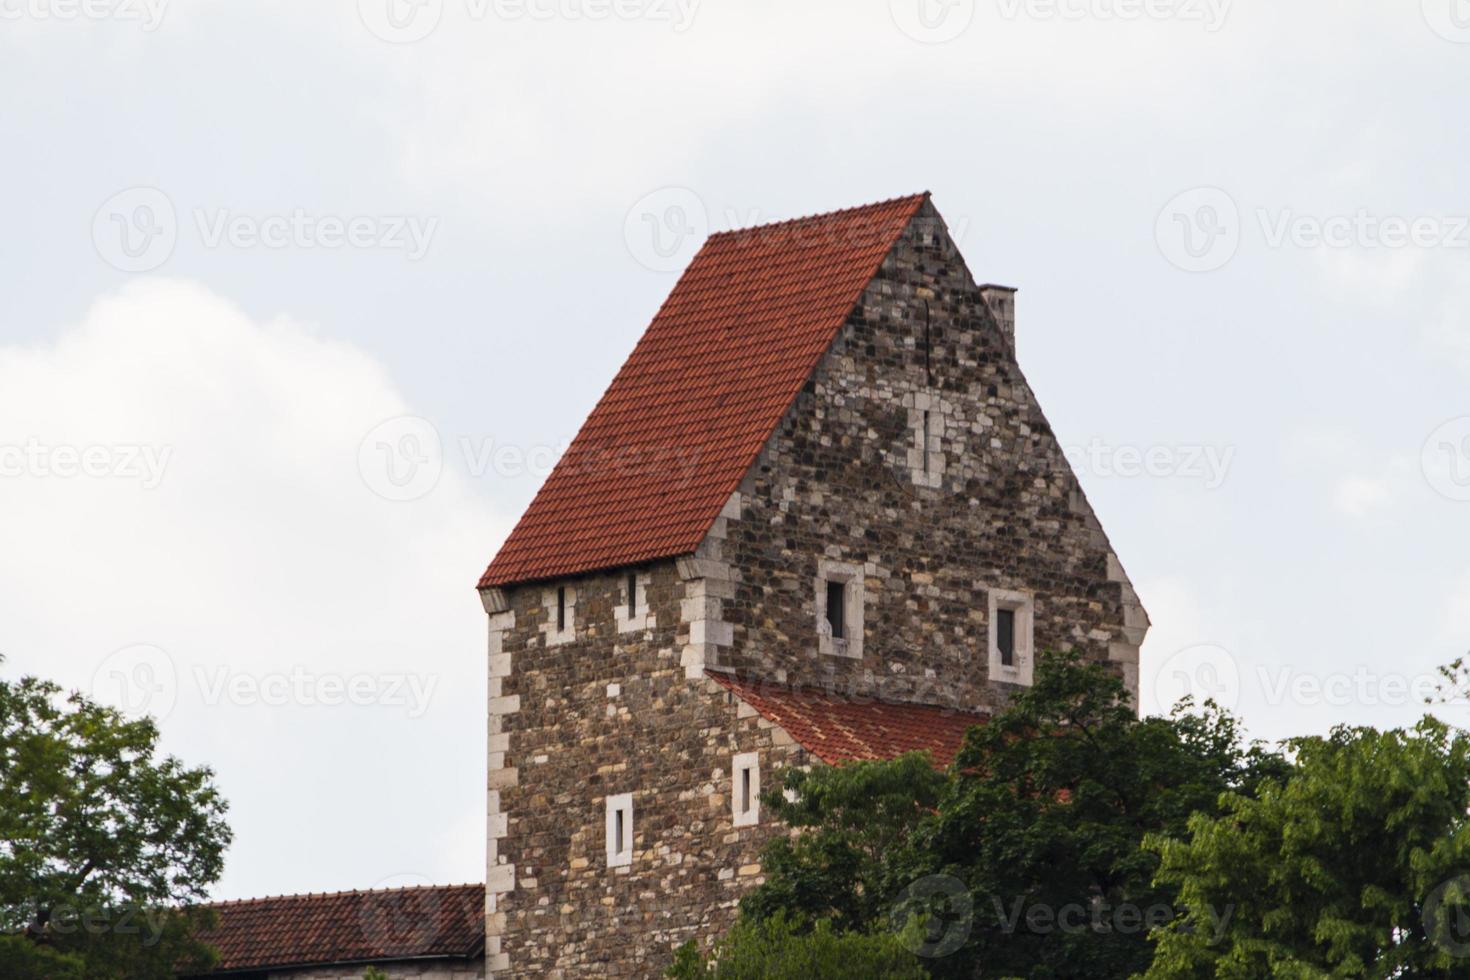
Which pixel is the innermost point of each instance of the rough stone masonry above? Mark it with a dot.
(915, 478)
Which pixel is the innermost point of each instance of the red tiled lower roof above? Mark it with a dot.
(704, 388)
(349, 927)
(837, 729)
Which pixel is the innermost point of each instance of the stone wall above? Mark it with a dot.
(604, 713)
(930, 525)
(988, 503)
(401, 970)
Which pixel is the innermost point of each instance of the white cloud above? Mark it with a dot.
(1167, 668)
(1457, 613)
(1448, 327)
(1356, 496)
(321, 646)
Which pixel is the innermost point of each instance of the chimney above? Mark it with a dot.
(1002, 303)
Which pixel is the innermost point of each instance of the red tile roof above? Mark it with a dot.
(837, 729)
(349, 927)
(704, 388)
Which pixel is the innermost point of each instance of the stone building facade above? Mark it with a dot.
(818, 516)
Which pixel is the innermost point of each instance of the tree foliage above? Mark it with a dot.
(1025, 857)
(853, 820)
(103, 843)
(1357, 864)
(775, 948)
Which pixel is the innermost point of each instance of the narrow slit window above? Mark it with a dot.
(620, 830)
(925, 449)
(745, 789)
(1005, 636)
(561, 608)
(836, 618)
(632, 594)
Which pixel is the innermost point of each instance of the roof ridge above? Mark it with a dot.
(262, 899)
(821, 215)
(664, 447)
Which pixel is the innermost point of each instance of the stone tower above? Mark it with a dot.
(817, 516)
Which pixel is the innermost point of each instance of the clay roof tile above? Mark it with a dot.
(699, 395)
(839, 729)
(349, 927)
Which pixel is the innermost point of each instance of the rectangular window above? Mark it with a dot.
(836, 615)
(1012, 618)
(620, 830)
(837, 600)
(926, 430)
(745, 789)
(634, 613)
(559, 605)
(1005, 636)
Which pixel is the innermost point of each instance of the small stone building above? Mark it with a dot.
(430, 933)
(817, 516)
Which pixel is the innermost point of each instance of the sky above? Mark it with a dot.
(302, 300)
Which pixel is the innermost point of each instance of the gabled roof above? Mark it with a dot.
(837, 729)
(704, 388)
(349, 927)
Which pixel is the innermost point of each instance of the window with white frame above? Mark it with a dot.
(620, 830)
(745, 789)
(561, 614)
(839, 603)
(1011, 618)
(632, 612)
(926, 454)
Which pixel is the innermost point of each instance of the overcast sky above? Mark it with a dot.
(301, 299)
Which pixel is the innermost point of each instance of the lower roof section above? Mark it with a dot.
(841, 729)
(342, 928)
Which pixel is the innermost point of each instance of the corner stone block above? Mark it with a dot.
(501, 878)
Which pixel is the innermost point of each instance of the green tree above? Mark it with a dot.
(1357, 864)
(1026, 855)
(777, 949)
(104, 845)
(853, 820)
